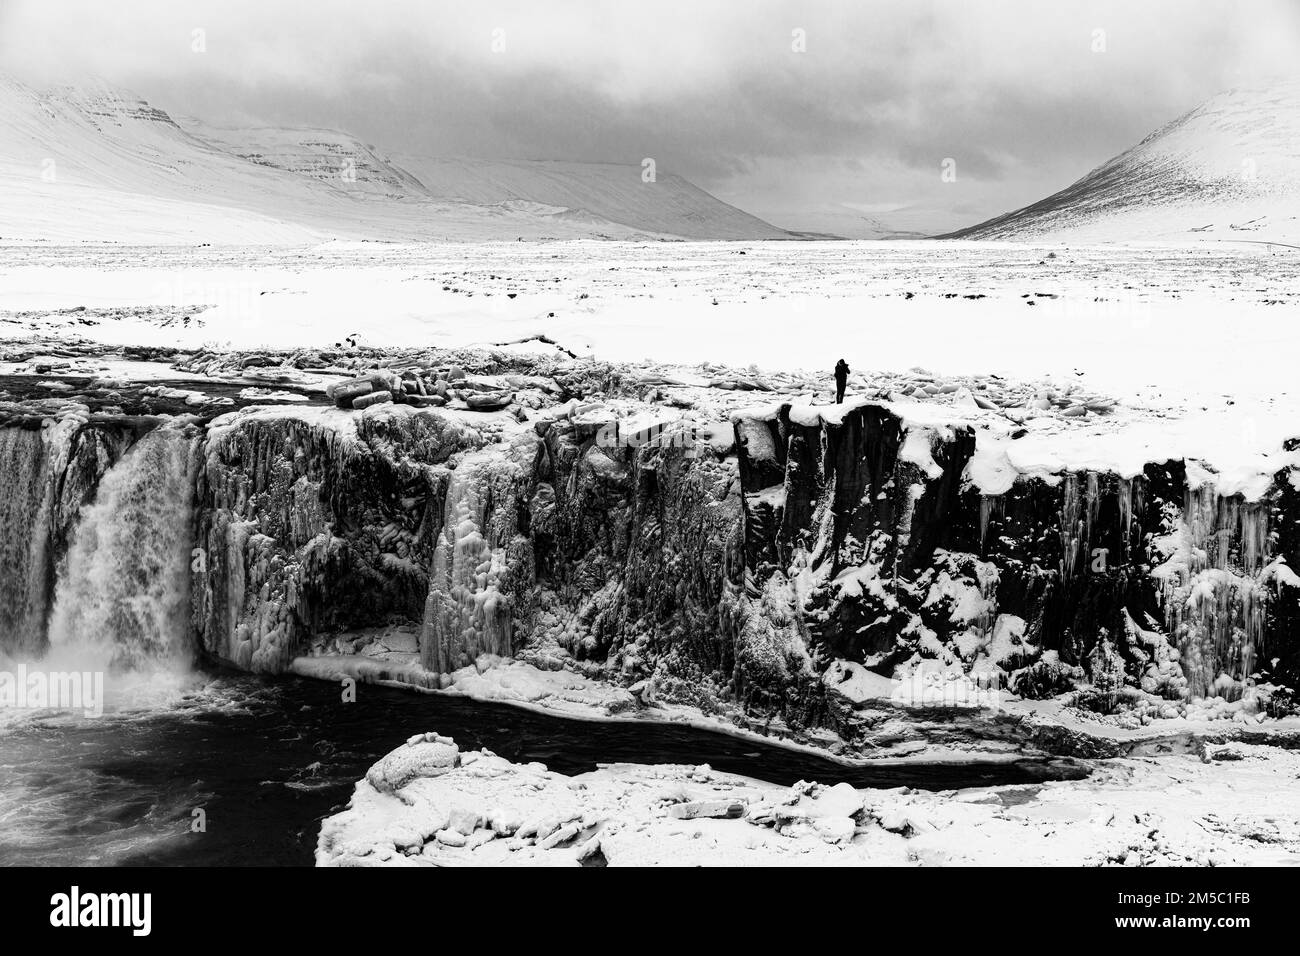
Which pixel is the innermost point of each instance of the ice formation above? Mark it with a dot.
(1214, 599)
(468, 610)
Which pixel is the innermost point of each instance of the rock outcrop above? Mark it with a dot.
(888, 555)
(317, 522)
(779, 566)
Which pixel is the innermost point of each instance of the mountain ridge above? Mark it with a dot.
(99, 163)
(1227, 169)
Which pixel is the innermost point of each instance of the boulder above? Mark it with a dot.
(503, 822)
(344, 393)
(710, 809)
(589, 850)
(451, 838)
(489, 401)
(834, 830)
(562, 835)
(840, 800)
(463, 821)
(374, 398)
(422, 759)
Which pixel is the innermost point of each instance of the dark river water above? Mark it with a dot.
(267, 760)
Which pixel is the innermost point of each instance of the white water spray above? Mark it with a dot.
(122, 599)
(25, 502)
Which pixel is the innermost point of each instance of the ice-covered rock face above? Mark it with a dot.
(317, 522)
(557, 543)
(638, 553)
(785, 573)
(886, 554)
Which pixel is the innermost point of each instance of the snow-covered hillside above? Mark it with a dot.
(608, 191)
(100, 164)
(326, 156)
(1228, 170)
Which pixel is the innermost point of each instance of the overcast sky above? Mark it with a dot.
(858, 125)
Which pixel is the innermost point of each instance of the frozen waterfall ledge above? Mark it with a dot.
(428, 803)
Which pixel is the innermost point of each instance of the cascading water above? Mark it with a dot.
(122, 598)
(466, 613)
(25, 562)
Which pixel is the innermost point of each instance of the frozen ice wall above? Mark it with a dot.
(1213, 588)
(469, 608)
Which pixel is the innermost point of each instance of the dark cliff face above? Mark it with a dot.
(711, 569)
(310, 528)
(638, 545)
(1154, 581)
(622, 555)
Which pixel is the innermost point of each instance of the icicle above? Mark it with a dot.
(991, 506)
(1126, 514)
(1254, 537)
(1092, 504)
(1071, 525)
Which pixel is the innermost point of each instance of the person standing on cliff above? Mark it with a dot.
(841, 379)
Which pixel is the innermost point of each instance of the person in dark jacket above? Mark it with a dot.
(841, 379)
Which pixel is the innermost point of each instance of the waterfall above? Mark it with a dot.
(122, 597)
(467, 613)
(25, 562)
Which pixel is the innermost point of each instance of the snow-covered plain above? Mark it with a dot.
(1192, 341)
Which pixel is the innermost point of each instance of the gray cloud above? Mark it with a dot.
(1012, 89)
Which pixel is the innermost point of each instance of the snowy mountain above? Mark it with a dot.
(100, 164)
(1228, 170)
(607, 191)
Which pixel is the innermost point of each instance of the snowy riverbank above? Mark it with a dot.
(908, 723)
(427, 803)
